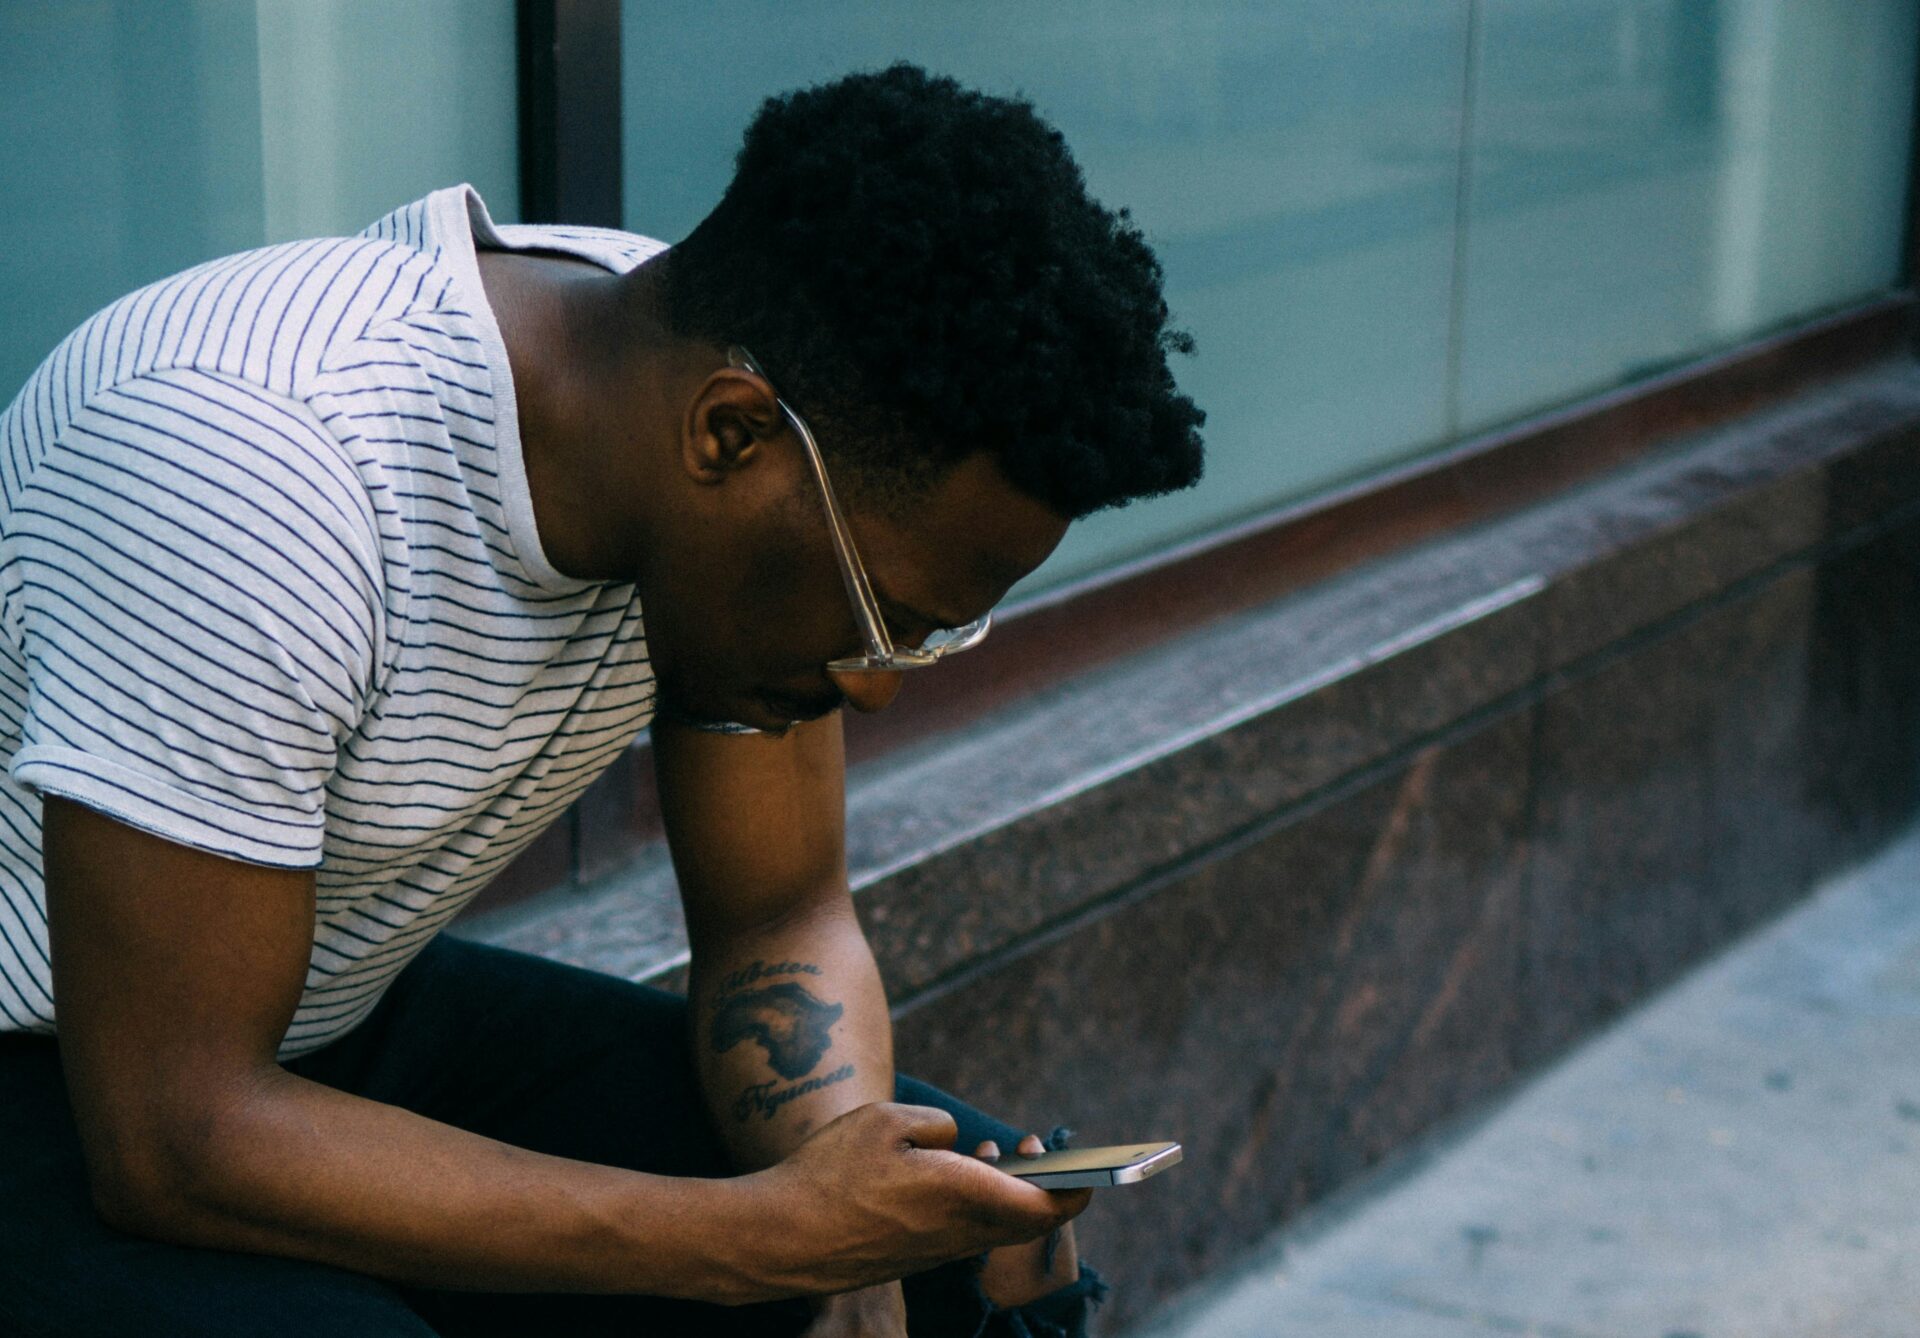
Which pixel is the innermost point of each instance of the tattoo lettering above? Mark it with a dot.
(789, 1024)
(762, 1098)
(745, 976)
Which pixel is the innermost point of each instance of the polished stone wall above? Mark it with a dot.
(1310, 882)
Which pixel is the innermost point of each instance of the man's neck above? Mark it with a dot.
(589, 386)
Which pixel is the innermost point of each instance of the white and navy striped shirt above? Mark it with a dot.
(270, 587)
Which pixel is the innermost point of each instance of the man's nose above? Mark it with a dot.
(867, 692)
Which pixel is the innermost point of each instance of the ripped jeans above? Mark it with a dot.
(530, 1052)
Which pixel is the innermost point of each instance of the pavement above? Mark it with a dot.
(1737, 1158)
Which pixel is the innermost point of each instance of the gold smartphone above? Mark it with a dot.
(1093, 1167)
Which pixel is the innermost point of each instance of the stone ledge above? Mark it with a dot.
(963, 847)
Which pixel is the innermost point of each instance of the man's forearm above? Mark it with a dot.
(790, 1030)
(293, 1168)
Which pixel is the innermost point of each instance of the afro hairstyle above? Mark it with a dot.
(921, 271)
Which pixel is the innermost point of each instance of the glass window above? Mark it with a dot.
(1652, 180)
(367, 104)
(1646, 181)
(143, 138)
(1295, 164)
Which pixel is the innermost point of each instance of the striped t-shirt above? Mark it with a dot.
(270, 587)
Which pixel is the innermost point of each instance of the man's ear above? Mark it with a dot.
(727, 419)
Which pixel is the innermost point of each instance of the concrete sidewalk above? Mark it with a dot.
(1739, 1158)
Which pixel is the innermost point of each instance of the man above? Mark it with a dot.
(323, 571)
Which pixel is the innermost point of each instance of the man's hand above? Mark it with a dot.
(881, 1312)
(877, 1194)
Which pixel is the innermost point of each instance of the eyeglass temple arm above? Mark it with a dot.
(865, 607)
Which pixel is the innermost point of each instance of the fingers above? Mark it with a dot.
(924, 1126)
(1028, 1147)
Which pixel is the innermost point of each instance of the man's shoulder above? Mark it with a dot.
(262, 318)
(202, 465)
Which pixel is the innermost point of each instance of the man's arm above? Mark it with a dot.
(176, 973)
(790, 1023)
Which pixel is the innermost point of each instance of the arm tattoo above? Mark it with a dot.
(789, 1023)
(747, 975)
(762, 1098)
(786, 1021)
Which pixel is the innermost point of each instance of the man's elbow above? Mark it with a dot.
(130, 1200)
(164, 1174)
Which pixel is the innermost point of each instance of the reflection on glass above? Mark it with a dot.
(1655, 179)
(367, 104)
(132, 149)
(143, 138)
(1647, 181)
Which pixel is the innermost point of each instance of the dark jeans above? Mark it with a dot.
(543, 1056)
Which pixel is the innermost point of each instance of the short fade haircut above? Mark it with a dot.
(921, 270)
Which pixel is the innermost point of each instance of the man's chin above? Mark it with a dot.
(705, 714)
(748, 715)
(795, 712)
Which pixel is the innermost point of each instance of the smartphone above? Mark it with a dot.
(1091, 1167)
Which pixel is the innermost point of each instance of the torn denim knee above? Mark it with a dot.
(1064, 1313)
(950, 1303)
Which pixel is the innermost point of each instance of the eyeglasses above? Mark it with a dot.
(882, 655)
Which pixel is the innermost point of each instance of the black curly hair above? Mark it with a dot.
(920, 269)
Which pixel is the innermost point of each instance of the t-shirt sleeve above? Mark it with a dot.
(192, 578)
